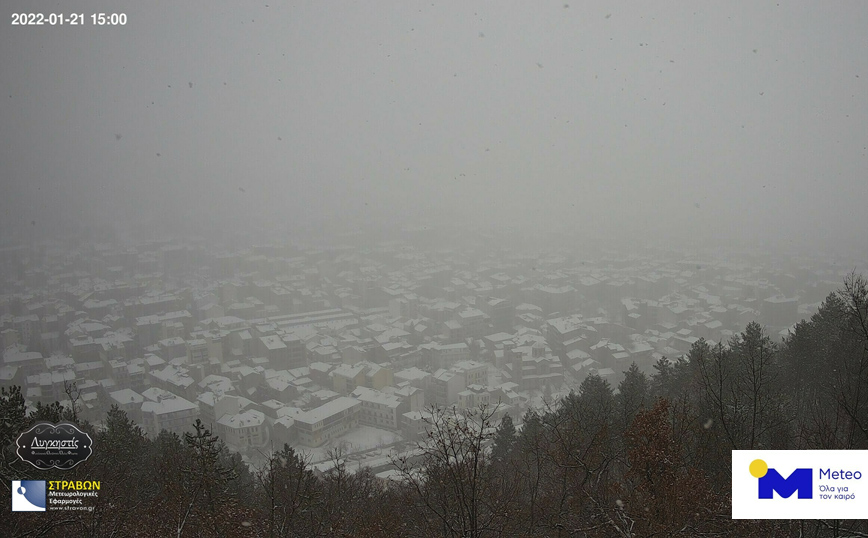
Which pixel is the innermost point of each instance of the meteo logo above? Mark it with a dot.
(799, 484)
(771, 482)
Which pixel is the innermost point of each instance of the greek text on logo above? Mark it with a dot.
(49, 446)
(799, 484)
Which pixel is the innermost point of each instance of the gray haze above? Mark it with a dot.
(734, 124)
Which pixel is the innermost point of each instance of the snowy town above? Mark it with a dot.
(324, 347)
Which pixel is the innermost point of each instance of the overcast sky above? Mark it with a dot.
(724, 122)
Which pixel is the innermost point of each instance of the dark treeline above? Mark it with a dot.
(650, 457)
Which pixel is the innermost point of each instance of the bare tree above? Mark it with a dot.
(853, 371)
(855, 299)
(74, 394)
(452, 482)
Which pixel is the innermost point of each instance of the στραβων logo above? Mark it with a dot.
(28, 496)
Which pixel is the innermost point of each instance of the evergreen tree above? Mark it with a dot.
(290, 493)
(13, 421)
(632, 396)
(504, 440)
(671, 378)
(119, 459)
(207, 477)
(13, 414)
(53, 412)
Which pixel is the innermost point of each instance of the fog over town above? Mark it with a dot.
(315, 224)
(666, 124)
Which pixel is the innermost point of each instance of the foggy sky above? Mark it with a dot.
(734, 123)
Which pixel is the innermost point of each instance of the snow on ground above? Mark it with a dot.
(358, 439)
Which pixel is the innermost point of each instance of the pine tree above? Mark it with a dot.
(504, 440)
(290, 493)
(632, 396)
(13, 421)
(207, 479)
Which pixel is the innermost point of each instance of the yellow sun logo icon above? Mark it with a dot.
(758, 468)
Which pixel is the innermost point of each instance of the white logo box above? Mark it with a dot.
(835, 493)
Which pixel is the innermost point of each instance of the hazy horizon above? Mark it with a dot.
(731, 125)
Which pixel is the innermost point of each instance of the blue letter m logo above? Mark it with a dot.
(800, 480)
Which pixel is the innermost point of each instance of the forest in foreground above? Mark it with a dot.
(650, 457)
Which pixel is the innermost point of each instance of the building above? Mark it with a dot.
(444, 355)
(334, 318)
(444, 387)
(474, 373)
(555, 299)
(327, 421)
(473, 397)
(501, 312)
(414, 427)
(130, 402)
(561, 332)
(474, 322)
(197, 351)
(379, 409)
(151, 329)
(346, 378)
(243, 430)
(163, 410)
(532, 367)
